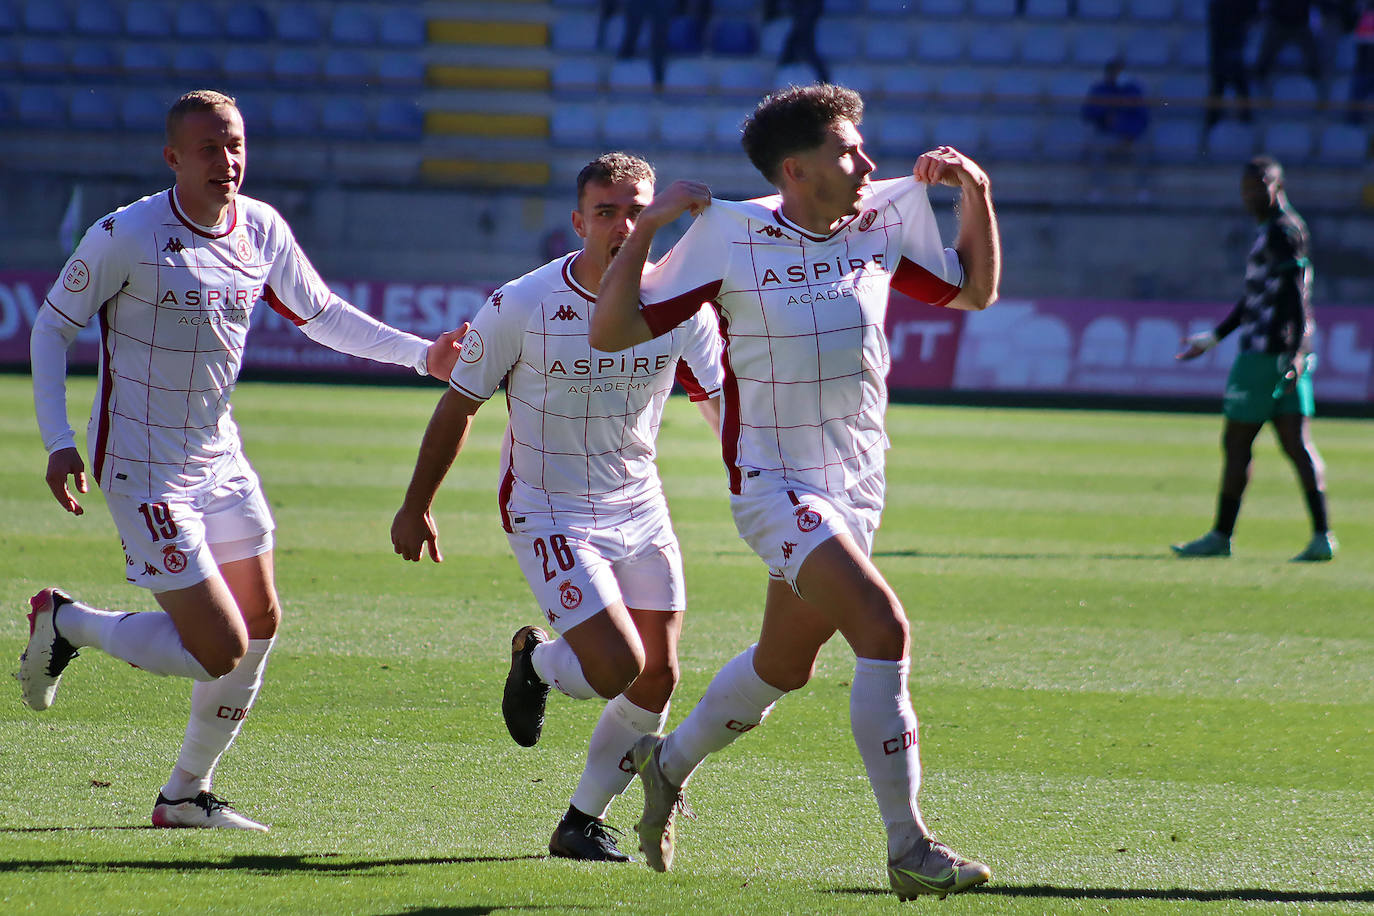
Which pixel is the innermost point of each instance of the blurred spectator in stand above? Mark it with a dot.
(659, 13)
(1228, 21)
(604, 11)
(800, 44)
(1289, 22)
(1362, 78)
(1115, 108)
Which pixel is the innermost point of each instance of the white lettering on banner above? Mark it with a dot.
(927, 333)
(19, 303)
(1012, 346)
(431, 309)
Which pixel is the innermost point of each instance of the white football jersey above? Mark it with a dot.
(806, 358)
(174, 300)
(580, 443)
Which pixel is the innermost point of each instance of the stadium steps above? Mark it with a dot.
(486, 124)
(485, 172)
(457, 76)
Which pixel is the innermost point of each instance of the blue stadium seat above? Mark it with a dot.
(1194, 13)
(93, 61)
(246, 66)
(44, 17)
(93, 109)
(884, 43)
(576, 4)
(725, 129)
(856, 76)
(574, 34)
(352, 25)
(1343, 144)
(844, 7)
(1013, 138)
(903, 137)
(41, 106)
(1047, 9)
(1044, 45)
(6, 107)
(735, 8)
(1063, 139)
(1191, 52)
(685, 36)
(1176, 140)
(573, 125)
(401, 27)
(401, 70)
(889, 7)
(195, 62)
(8, 67)
(94, 17)
(963, 132)
(1230, 142)
(631, 77)
(1066, 89)
(938, 43)
(940, 7)
(734, 37)
(686, 76)
(247, 23)
(293, 116)
(1295, 95)
(257, 112)
(993, 43)
(343, 67)
(40, 59)
(1148, 48)
(837, 39)
(9, 18)
(400, 119)
(628, 125)
(299, 23)
(1290, 142)
(685, 127)
(147, 19)
(906, 84)
(961, 87)
(994, 9)
(1094, 46)
(793, 75)
(1153, 10)
(772, 36)
(1185, 90)
(143, 111)
(344, 116)
(197, 21)
(1017, 90)
(574, 76)
(742, 78)
(295, 67)
(144, 61)
(1100, 9)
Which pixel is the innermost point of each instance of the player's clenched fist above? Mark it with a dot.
(946, 165)
(678, 198)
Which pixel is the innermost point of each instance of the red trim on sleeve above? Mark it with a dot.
(922, 285)
(688, 380)
(662, 317)
(503, 492)
(280, 307)
(70, 320)
(729, 414)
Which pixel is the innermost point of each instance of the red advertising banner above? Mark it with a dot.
(1018, 346)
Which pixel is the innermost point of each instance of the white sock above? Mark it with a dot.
(885, 730)
(736, 701)
(218, 709)
(146, 640)
(557, 665)
(609, 769)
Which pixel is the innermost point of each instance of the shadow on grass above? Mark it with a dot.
(930, 555)
(257, 864)
(1242, 894)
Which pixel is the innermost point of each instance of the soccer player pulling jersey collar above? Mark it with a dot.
(172, 280)
(799, 282)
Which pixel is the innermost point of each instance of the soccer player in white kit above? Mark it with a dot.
(172, 280)
(800, 282)
(579, 494)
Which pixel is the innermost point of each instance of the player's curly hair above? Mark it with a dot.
(196, 100)
(795, 119)
(609, 168)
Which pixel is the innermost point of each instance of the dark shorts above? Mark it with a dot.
(1250, 390)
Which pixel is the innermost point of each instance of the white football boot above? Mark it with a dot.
(206, 810)
(47, 654)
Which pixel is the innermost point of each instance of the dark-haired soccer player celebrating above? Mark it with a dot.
(172, 280)
(800, 284)
(580, 497)
(1269, 381)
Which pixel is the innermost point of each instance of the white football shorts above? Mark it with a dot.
(180, 541)
(576, 572)
(783, 522)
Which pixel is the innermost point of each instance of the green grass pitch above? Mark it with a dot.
(1110, 728)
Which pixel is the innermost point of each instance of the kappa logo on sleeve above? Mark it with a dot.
(471, 350)
(78, 276)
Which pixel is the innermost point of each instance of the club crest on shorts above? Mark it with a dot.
(808, 519)
(569, 595)
(173, 560)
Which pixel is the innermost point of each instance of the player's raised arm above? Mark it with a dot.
(413, 531)
(978, 243)
(616, 323)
